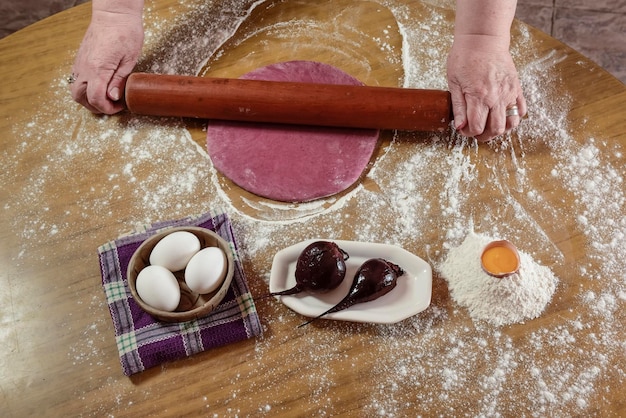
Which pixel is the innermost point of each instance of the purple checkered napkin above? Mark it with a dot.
(142, 340)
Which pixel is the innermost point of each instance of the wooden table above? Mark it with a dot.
(72, 181)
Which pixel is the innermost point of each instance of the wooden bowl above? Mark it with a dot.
(192, 305)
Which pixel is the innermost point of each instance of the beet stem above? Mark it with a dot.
(291, 291)
(338, 307)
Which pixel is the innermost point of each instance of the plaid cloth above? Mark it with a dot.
(142, 340)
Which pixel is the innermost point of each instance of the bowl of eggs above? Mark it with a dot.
(181, 273)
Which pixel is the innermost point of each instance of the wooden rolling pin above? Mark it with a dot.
(288, 102)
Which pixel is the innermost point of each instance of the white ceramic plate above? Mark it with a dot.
(410, 296)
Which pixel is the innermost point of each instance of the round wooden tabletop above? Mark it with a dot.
(72, 181)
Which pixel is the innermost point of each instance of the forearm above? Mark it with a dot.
(482, 77)
(485, 19)
(134, 7)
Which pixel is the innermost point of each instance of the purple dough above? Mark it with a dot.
(291, 163)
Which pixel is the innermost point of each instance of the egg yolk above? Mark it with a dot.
(499, 260)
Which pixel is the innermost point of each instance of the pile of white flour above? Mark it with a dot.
(515, 298)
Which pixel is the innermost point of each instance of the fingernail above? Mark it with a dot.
(114, 94)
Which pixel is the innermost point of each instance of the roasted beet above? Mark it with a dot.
(320, 267)
(375, 278)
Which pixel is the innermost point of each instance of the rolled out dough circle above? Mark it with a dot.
(291, 163)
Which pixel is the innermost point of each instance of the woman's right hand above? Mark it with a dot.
(107, 55)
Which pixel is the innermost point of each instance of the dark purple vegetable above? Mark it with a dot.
(375, 278)
(320, 267)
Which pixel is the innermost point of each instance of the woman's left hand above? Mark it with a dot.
(484, 86)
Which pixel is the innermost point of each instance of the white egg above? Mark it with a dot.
(206, 270)
(158, 287)
(175, 250)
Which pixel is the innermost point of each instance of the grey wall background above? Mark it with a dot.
(17, 14)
